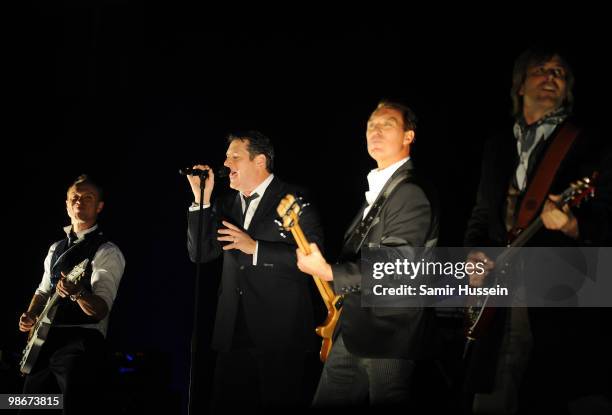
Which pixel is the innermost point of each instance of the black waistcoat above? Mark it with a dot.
(64, 259)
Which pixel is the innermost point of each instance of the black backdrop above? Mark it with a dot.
(129, 94)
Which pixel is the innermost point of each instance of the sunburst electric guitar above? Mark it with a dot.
(289, 210)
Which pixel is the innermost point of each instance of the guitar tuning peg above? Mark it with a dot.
(283, 235)
(278, 222)
(305, 205)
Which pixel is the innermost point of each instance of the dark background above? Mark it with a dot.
(131, 93)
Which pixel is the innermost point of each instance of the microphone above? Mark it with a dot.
(188, 171)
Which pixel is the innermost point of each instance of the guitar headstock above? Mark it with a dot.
(289, 210)
(579, 191)
(75, 274)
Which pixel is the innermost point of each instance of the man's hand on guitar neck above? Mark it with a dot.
(314, 263)
(27, 321)
(555, 219)
(66, 288)
(475, 257)
(91, 304)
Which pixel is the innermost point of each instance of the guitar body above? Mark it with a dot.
(326, 330)
(35, 342)
(479, 312)
(40, 330)
(478, 318)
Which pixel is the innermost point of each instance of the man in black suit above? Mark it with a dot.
(535, 358)
(264, 324)
(373, 356)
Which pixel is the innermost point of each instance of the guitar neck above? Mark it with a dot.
(50, 303)
(527, 234)
(324, 288)
(519, 242)
(73, 276)
(535, 226)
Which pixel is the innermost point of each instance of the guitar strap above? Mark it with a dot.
(360, 233)
(546, 171)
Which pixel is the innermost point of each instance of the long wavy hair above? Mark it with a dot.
(537, 56)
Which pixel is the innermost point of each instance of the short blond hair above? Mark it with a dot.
(86, 179)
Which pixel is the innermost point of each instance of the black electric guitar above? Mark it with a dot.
(479, 314)
(290, 209)
(40, 330)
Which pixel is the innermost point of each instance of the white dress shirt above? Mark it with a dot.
(260, 190)
(377, 179)
(107, 268)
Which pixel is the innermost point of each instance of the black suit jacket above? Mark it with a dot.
(274, 294)
(409, 218)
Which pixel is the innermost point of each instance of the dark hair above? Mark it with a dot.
(536, 56)
(85, 179)
(408, 116)
(257, 144)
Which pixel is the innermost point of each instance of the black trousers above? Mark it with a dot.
(351, 381)
(72, 362)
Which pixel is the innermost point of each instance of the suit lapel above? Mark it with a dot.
(507, 160)
(405, 169)
(355, 221)
(268, 202)
(231, 210)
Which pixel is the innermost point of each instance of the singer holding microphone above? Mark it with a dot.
(264, 325)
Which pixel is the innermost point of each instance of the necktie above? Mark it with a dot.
(247, 202)
(72, 238)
